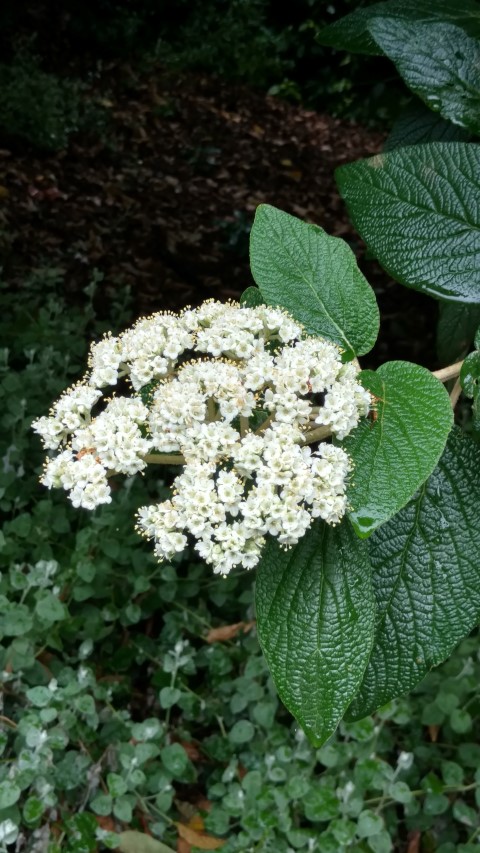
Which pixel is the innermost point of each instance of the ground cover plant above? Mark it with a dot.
(135, 696)
(365, 553)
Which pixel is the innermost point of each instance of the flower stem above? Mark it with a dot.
(313, 435)
(164, 459)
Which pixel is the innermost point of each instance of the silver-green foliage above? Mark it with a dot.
(115, 707)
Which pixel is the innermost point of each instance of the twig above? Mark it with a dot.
(449, 372)
(455, 393)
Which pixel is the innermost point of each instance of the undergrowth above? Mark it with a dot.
(119, 709)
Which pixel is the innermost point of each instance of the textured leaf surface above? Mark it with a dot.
(426, 575)
(417, 125)
(418, 210)
(315, 620)
(438, 62)
(455, 330)
(399, 450)
(315, 277)
(352, 32)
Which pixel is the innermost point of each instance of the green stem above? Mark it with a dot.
(164, 458)
(420, 792)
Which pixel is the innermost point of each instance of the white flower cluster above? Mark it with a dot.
(237, 395)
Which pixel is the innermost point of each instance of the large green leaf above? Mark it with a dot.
(315, 620)
(315, 277)
(398, 451)
(426, 575)
(417, 125)
(456, 327)
(418, 210)
(352, 32)
(438, 62)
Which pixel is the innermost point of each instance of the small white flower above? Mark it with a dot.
(236, 394)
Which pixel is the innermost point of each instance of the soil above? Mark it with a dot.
(160, 196)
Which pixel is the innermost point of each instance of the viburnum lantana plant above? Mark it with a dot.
(328, 479)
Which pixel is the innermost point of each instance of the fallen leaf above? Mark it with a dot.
(105, 822)
(137, 842)
(295, 174)
(226, 632)
(197, 839)
(433, 732)
(414, 842)
(192, 751)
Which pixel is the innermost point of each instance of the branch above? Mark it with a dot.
(449, 372)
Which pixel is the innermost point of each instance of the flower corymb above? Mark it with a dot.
(242, 398)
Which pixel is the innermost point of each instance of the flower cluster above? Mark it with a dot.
(239, 397)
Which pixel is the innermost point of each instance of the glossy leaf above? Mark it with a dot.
(315, 277)
(394, 454)
(417, 125)
(438, 62)
(470, 374)
(352, 31)
(418, 210)
(315, 621)
(426, 576)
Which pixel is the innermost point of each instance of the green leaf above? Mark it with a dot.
(251, 298)
(315, 622)
(426, 578)
(123, 808)
(352, 32)
(470, 374)
(117, 785)
(455, 330)
(9, 794)
(39, 696)
(101, 804)
(398, 451)
(418, 210)
(315, 277)
(369, 824)
(321, 804)
(470, 381)
(15, 620)
(49, 608)
(417, 125)
(241, 732)
(33, 810)
(438, 62)
(169, 696)
(175, 759)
